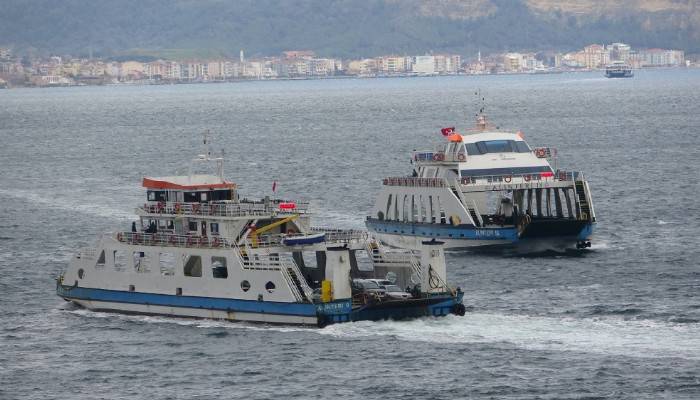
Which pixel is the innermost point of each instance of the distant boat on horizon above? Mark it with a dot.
(618, 69)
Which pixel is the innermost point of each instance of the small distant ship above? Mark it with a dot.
(485, 188)
(618, 69)
(198, 250)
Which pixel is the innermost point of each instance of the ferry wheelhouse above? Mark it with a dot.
(485, 188)
(199, 250)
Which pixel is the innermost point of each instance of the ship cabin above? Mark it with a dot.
(206, 210)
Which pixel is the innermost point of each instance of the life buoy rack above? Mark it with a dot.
(540, 153)
(507, 179)
(461, 157)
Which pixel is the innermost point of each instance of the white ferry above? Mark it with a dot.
(199, 250)
(485, 188)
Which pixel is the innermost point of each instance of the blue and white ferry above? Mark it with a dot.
(199, 250)
(486, 187)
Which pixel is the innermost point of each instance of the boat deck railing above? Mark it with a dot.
(172, 240)
(225, 209)
(341, 235)
(559, 175)
(414, 181)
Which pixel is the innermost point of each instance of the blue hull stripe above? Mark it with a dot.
(469, 232)
(209, 303)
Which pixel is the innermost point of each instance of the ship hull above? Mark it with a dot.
(619, 74)
(256, 311)
(539, 235)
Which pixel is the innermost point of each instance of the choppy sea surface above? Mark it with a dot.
(619, 321)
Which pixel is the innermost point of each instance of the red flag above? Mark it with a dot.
(274, 186)
(447, 131)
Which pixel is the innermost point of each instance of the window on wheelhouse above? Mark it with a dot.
(497, 146)
(218, 267)
(192, 266)
(214, 228)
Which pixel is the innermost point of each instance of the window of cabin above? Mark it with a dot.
(155, 195)
(119, 260)
(193, 226)
(192, 266)
(100, 260)
(203, 196)
(190, 197)
(214, 228)
(141, 262)
(218, 267)
(166, 262)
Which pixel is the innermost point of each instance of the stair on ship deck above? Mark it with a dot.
(297, 283)
(583, 202)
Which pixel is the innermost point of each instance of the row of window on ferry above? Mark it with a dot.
(490, 146)
(191, 265)
(190, 197)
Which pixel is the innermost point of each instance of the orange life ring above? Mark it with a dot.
(438, 157)
(461, 157)
(540, 153)
(526, 177)
(508, 179)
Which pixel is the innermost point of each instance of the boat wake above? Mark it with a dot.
(604, 336)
